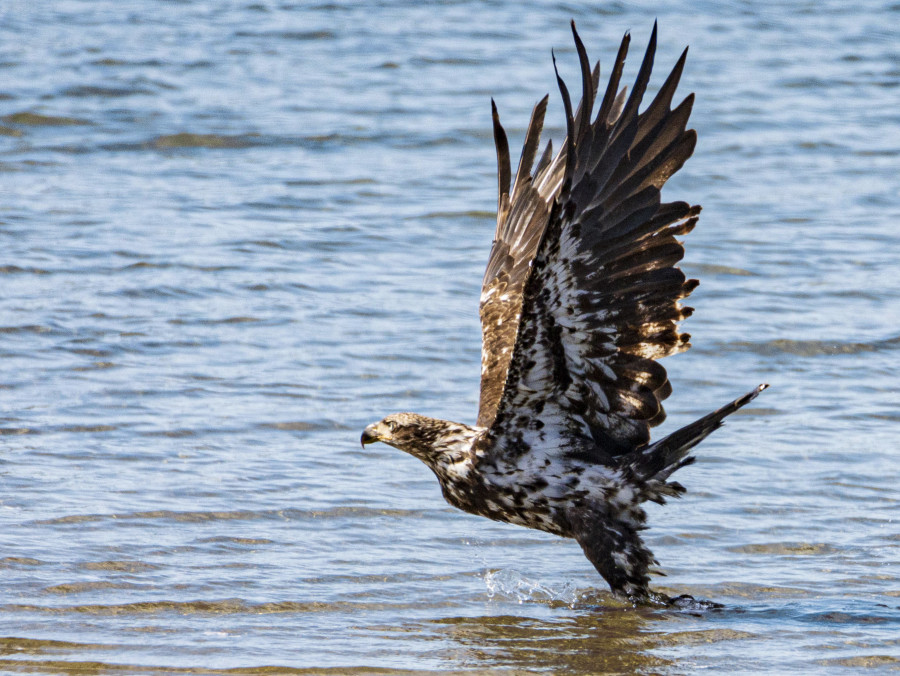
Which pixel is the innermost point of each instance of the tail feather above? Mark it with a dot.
(659, 460)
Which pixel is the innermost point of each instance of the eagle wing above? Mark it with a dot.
(581, 294)
(522, 217)
(518, 234)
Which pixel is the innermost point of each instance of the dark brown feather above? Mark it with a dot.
(600, 300)
(503, 170)
(521, 219)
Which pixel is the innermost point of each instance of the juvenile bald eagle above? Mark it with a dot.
(580, 298)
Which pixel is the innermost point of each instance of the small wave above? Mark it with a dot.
(212, 141)
(187, 141)
(232, 606)
(785, 548)
(16, 431)
(70, 666)
(314, 182)
(151, 265)
(261, 243)
(96, 366)
(841, 617)
(26, 328)
(146, 63)
(487, 215)
(446, 61)
(222, 539)
(38, 120)
(16, 270)
(748, 590)
(144, 265)
(85, 91)
(172, 434)
(710, 269)
(87, 428)
(297, 426)
(66, 588)
(15, 561)
(156, 292)
(863, 662)
(288, 35)
(215, 322)
(236, 515)
(118, 566)
(810, 348)
(10, 645)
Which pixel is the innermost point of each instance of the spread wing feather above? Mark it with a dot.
(581, 295)
(521, 219)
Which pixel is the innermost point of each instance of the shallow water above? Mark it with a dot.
(235, 233)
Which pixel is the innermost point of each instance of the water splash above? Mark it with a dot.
(507, 583)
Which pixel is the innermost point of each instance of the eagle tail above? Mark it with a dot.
(658, 461)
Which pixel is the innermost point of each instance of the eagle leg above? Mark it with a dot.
(615, 548)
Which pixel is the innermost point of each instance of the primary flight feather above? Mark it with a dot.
(580, 298)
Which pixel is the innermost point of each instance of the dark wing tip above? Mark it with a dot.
(575, 35)
(587, 88)
(570, 120)
(500, 140)
(532, 141)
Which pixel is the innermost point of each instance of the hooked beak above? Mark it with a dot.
(369, 435)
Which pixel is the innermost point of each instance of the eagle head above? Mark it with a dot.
(428, 439)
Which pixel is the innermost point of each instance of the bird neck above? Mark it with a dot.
(452, 456)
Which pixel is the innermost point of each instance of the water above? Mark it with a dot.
(234, 233)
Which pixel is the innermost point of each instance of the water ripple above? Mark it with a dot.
(236, 233)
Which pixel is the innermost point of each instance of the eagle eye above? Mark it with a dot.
(392, 426)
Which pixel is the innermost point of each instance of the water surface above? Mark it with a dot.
(235, 233)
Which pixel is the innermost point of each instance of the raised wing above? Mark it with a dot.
(522, 217)
(518, 233)
(600, 301)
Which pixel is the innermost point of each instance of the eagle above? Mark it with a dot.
(581, 298)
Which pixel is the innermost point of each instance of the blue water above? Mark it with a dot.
(235, 233)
